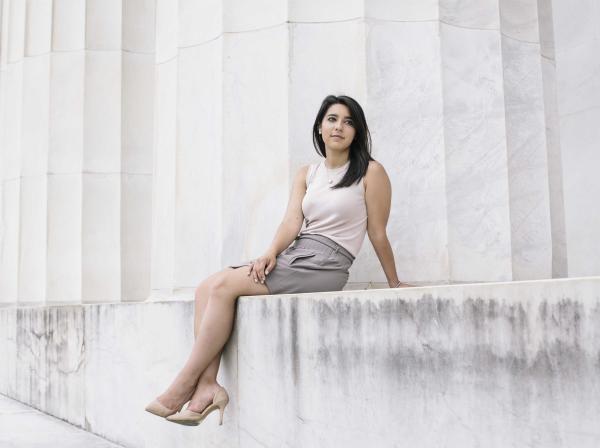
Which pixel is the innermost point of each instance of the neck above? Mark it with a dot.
(333, 161)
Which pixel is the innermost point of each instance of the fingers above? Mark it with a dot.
(261, 272)
(260, 268)
(252, 272)
(256, 271)
(270, 266)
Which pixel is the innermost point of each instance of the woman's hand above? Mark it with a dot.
(261, 267)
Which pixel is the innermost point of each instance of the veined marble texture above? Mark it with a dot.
(146, 145)
(475, 154)
(531, 236)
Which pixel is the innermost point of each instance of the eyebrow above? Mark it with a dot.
(336, 115)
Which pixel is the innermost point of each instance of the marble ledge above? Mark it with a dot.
(357, 289)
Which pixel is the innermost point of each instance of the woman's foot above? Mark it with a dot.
(203, 396)
(176, 396)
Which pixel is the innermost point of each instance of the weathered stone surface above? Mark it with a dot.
(496, 364)
(50, 355)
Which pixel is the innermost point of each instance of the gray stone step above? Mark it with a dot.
(25, 427)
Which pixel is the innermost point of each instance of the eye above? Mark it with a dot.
(350, 123)
(331, 119)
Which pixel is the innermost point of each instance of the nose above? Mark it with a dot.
(338, 125)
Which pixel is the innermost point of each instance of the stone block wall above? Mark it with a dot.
(495, 365)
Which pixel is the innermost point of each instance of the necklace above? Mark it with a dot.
(329, 179)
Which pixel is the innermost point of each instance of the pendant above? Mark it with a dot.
(330, 181)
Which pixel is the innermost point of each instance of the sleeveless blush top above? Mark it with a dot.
(339, 214)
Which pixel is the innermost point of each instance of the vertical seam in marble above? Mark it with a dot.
(443, 99)
(509, 188)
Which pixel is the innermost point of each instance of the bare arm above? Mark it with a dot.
(378, 196)
(293, 218)
(287, 230)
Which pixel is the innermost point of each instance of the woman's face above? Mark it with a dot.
(337, 128)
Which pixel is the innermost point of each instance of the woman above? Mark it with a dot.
(332, 205)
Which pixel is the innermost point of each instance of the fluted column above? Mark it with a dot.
(405, 111)
(255, 126)
(479, 239)
(165, 148)
(34, 152)
(101, 203)
(138, 93)
(147, 144)
(11, 78)
(552, 128)
(65, 151)
(530, 225)
(577, 54)
(198, 202)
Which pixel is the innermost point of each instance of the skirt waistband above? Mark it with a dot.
(327, 242)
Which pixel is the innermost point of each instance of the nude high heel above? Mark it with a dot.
(191, 418)
(157, 408)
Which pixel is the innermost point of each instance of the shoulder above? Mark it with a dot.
(375, 172)
(302, 171)
(301, 175)
(307, 170)
(375, 167)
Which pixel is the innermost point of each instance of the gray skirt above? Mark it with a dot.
(314, 263)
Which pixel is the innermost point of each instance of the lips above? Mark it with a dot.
(336, 136)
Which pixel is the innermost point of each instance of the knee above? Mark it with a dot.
(219, 286)
(202, 290)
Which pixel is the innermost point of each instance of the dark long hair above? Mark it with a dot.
(360, 148)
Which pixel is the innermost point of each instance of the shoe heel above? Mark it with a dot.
(221, 410)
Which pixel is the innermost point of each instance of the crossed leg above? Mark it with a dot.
(213, 323)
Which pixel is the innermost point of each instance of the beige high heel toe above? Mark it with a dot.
(191, 418)
(157, 408)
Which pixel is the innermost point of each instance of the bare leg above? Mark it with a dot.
(214, 331)
(209, 376)
(207, 384)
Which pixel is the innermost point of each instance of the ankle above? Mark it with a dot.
(206, 382)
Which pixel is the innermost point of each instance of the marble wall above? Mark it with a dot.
(146, 144)
(494, 365)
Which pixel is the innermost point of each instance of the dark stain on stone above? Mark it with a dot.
(294, 340)
(281, 340)
(265, 309)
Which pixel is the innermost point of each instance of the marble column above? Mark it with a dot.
(577, 56)
(11, 80)
(477, 189)
(65, 151)
(147, 144)
(101, 203)
(405, 111)
(33, 210)
(255, 127)
(137, 131)
(530, 224)
(198, 182)
(165, 149)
